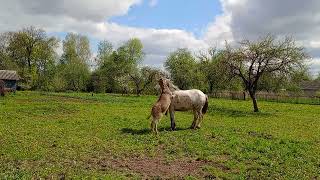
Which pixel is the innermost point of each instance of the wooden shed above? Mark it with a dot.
(10, 78)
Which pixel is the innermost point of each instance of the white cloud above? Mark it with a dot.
(153, 3)
(158, 43)
(93, 10)
(219, 31)
(314, 44)
(314, 66)
(252, 19)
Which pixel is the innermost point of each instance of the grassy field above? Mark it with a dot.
(76, 135)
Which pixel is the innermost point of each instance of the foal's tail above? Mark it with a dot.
(205, 107)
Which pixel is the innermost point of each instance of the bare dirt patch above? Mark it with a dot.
(156, 167)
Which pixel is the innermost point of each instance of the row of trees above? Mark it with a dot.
(32, 53)
(267, 64)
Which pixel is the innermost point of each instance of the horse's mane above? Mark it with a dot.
(172, 87)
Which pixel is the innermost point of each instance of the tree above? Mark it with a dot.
(214, 71)
(274, 82)
(30, 52)
(45, 64)
(117, 67)
(318, 77)
(183, 69)
(131, 55)
(23, 45)
(74, 61)
(6, 62)
(143, 78)
(119, 71)
(251, 60)
(105, 49)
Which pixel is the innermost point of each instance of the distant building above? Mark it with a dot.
(311, 88)
(10, 78)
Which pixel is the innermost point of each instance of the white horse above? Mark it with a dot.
(186, 100)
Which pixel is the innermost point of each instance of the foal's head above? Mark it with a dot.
(164, 84)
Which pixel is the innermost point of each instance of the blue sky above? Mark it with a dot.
(190, 15)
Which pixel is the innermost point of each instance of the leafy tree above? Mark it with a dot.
(291, 81)
(183, 69)
(214, 71)
(59, 81)
(74, 61)
(101, 76)
(123, 82)
(318, 77)
(105, 49)
(251, 60)
(6, 62)
(46, 63)
(112, 68)
(142, 78)
(23, 45)
(131, 55)
(118, 67)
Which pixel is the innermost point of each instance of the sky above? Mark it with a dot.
(165, 25)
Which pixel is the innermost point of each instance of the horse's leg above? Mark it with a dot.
(195, 118)
(173, 123)
(200, 119)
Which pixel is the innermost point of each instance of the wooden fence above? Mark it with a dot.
(266, 96)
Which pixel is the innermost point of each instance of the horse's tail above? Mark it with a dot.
(205, 107)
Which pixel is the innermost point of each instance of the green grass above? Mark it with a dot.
(76, 135)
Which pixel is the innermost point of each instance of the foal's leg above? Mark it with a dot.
(157, 132)
(154, 123)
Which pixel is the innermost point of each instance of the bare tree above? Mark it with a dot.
(251, 59)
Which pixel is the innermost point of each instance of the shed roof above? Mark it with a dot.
(9, 75)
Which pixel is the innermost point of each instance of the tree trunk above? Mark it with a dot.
(29, 64)
(139, 91)
(29, 59)
(254, 101)
(210, 87)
